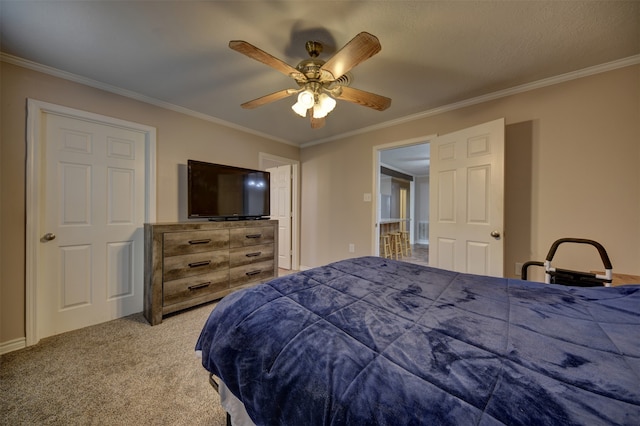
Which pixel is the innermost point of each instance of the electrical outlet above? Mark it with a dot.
(352, 248)
(518, 270)
(367, 197)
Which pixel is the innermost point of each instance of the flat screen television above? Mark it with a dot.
(219, 192)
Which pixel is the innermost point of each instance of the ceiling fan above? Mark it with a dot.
(319, 82)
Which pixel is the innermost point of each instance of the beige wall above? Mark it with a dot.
(572, 169)
(572, 155)
(179, 138)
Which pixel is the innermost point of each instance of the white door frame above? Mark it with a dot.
(375, 207)
(268, 160)
(35, 153)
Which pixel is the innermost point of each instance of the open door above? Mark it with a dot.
(467, 200)
(281, 210)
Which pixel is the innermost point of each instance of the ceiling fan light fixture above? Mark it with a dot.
(324, 106)
(299, 109)
(306, 100)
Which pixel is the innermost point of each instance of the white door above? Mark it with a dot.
(281, 210)
(467, 200)
(90, 256)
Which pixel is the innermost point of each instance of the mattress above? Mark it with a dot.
(377, 341)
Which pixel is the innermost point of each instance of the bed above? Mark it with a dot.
(373, 341)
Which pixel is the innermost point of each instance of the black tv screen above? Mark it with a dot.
(216, 191)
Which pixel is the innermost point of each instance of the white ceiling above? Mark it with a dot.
(413, 160)
(433, 53)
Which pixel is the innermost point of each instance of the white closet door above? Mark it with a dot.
(94, 204)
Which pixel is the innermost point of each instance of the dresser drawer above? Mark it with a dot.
(252, 254)
(177, 243)
(194, 264)
(187, 264)
(250, 273)
(251, 236)
(177, 291)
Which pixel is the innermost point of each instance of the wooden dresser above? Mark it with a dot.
(190, 263)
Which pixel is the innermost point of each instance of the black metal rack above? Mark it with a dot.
(573, 278)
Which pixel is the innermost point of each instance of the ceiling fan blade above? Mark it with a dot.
(272, 97)
(260, 55)
(367, 99)
(317, 123)
(360, 48)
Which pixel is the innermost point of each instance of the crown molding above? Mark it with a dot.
(24, 63)
(562, 78)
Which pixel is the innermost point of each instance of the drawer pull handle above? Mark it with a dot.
(254, 236)
(197, 264)
(199, 286)
(250, 273)
(255, 254)
(205, 241)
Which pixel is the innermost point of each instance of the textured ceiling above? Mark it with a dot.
(433, 53)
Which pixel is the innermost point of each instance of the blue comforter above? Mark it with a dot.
(372, 341)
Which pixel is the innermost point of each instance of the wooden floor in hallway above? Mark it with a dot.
(419, 255)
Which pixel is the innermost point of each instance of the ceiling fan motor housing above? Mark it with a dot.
(311, 68)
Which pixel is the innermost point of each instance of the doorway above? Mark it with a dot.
(288, 236)
(466, 200)
(401, 190)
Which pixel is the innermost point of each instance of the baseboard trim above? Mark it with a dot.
(13, 345)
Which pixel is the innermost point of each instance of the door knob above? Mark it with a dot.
(48, 236)
(495, 234)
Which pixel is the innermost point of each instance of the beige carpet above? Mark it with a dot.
(123, 372)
